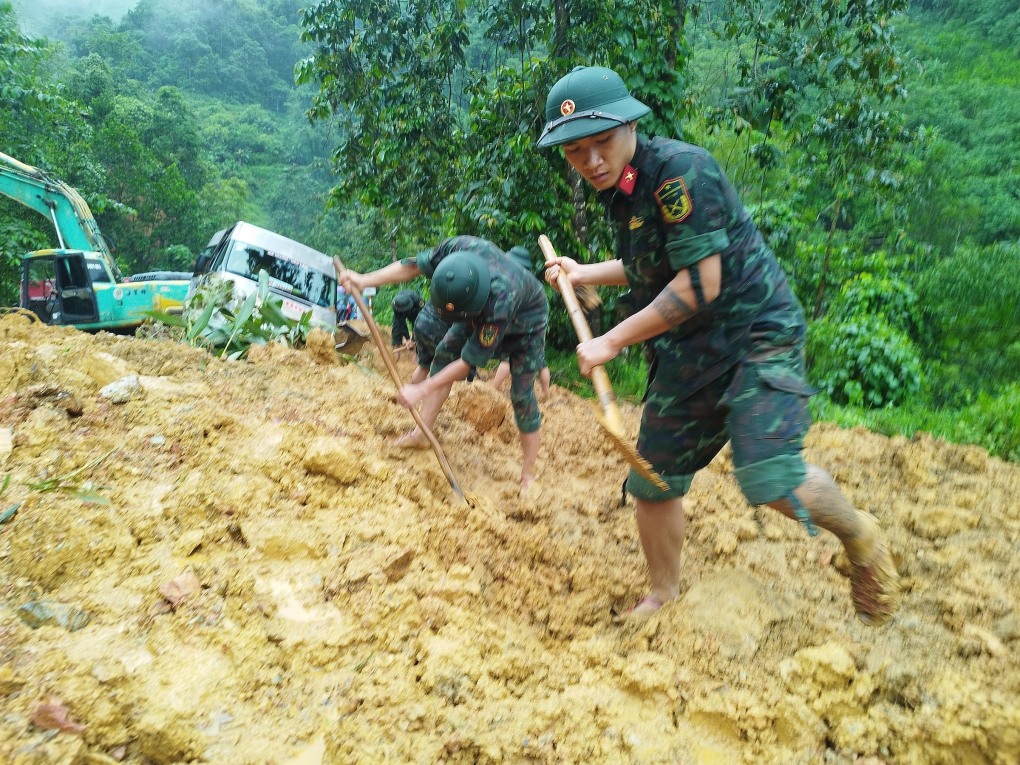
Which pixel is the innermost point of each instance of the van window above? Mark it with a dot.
(286, 275)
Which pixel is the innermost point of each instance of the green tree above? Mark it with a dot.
(387, 73)
(825, 76)
(38, 126)
(443, 140)
(154, 172)
(971, 305)
(968, 185)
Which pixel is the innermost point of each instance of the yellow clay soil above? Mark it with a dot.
(272, 581)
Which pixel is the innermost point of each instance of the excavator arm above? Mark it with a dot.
(64, 207)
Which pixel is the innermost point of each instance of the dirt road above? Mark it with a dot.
(271, 582)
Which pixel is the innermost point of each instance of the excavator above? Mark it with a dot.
(79, 284)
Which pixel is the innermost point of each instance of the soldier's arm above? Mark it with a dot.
(685, 296)
(412, 394)
(394, 273)
(609, 272)
(690, 291)
(401, 271)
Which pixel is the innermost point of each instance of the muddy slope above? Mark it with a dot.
(270, 582)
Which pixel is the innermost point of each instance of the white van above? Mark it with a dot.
(303, 278)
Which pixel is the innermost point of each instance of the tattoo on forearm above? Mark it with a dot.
(672, 308)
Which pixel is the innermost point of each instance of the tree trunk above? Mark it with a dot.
(562, 21)
(820, 296)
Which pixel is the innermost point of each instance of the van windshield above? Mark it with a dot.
(286, 274)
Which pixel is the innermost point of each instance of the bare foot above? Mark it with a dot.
(527, 483)
(413, 439)
(643, 610)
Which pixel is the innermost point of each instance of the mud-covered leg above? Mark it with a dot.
(529, 455)
(527, 417)
(661, 527)
(874, 583)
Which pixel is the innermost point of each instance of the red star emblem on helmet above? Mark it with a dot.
(567, 107)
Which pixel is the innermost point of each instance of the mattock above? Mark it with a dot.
(391, 366)
(611, 421)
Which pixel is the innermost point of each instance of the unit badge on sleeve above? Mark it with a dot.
(487, 335)
(674, 200)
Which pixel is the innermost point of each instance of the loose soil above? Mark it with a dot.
(269, 581)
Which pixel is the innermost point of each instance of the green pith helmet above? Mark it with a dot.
(406, 300)
(587, 101)
(522, 256)
(460, 286)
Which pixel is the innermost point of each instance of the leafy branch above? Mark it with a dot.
(212, 319)
(74, 483)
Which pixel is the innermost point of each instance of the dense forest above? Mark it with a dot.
(875, 143)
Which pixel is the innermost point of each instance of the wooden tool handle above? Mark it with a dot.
(391, 367)
(599, 378)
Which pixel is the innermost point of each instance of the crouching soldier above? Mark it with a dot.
(497, 309)
(407, 304)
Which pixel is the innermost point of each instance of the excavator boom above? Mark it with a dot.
(65, 208)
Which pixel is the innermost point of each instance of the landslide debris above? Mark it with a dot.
(267, 580)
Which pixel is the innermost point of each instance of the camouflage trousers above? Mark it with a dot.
(526, 359)
(760, 405)
(429, 330)
(526, 354)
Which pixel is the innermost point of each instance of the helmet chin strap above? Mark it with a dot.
(594, 114)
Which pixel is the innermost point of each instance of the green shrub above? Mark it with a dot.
(868, 295)
(993, 421)
(863, 361)
(177, 257)
(215, 320)
(628, 373)
(972, 305)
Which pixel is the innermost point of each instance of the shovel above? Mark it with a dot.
(391, 366)
(611, 421)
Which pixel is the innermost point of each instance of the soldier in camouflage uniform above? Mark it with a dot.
(407, 304)
(496, 309)
(502, 373)
(429, 330)
(726, 331)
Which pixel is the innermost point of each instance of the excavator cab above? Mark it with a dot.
(57, 287)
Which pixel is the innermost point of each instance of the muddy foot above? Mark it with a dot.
(527, 486)
(414, 439)
(874, 583)
(643, 610)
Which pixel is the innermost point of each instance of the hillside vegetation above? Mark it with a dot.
(882, 166)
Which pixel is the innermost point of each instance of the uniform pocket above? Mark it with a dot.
(780, 406)
(779, 376)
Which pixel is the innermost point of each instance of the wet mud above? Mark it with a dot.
(227, 562)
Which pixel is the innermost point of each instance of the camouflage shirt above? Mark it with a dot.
(517, 307)
(673, 207)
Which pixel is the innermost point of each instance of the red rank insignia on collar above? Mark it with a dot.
(627, 180)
